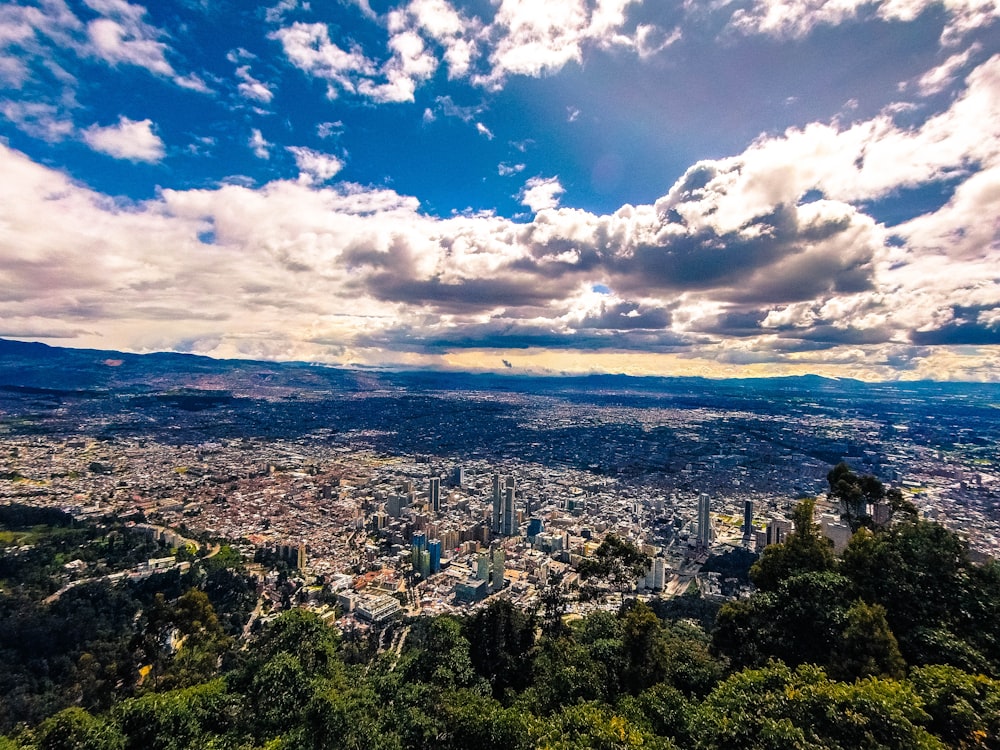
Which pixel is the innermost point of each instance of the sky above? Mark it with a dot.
(702, 187)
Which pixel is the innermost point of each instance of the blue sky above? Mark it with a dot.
(717, 188)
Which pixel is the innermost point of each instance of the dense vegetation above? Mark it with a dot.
(894, 644)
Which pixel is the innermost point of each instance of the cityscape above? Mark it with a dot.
(421, 494)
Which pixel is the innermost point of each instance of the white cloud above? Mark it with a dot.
(133, 140)
(250, 88)
(484, 131)
(533, 39)
(767, 256)
(797, 18)
(259, 145)
(409, 66)
(939, 78)
(39, 120)
(540, 193)
(308, 47)
(315, 166)
(505, 169)
(127, 39)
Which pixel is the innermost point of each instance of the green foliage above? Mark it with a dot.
(501, 638)
(617, 560)
(867, 647)
(75, 729)
(964, 708)
(805, 550)
(940, 606)
(855, 493)
(176, 720)
(777, 707)
(591, 725)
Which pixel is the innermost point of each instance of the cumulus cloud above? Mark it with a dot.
(797, 18)
(540, 193)
(766, 257)
(133, 140)
(315, 166)
(309, 48)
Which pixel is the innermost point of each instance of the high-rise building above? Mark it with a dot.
(497, 503)
(704, 521)
(300, 558)
(396, 503)
(435, 494)
(778, 530)
(497, 563)
(483, 566)
(434, 550)
(458, 476)
(418, 546)
(509, 514)
(747, 518)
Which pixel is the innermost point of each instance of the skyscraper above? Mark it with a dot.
(434, 549)
(497, 560)
(435, 494)
(747, 518)
(497, 503)
(704, 522)
(509, 524)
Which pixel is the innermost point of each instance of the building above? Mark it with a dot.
(471, 590)
(509, 515)
(418, 546)
(497, 559)
(434, 499)
(483, 566)
(777, 531)
(497, 503)
(434, 551)
(836, 531)
(377, 608)
(747, 518)
(704, 521)
(656, 575)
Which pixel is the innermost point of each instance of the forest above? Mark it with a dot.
(895, 643)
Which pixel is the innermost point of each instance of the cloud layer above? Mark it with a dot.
(864, 242)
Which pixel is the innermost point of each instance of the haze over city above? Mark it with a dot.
(701, 188)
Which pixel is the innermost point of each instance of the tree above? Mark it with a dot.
(617, 560)
(867, 646)
(805, 550)
(501, 637)
(855, 493)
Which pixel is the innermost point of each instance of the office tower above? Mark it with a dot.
(435, 494)
(778, 530)
(396, 504)
(509, 523)
(418, 545)
(535, 527)
(300, 558)
(747, 518)
(497, 561)
(434, 550)
(659, 573)
(497, 503)
(704, 523)
(458, 476)
(483, 566)
(425, 563)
